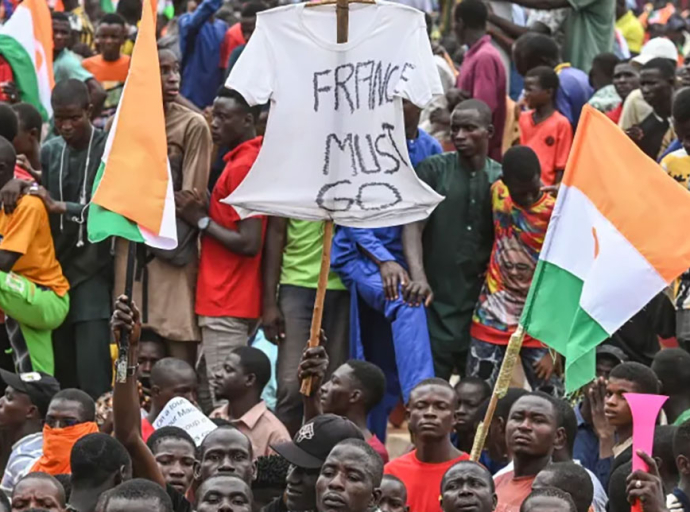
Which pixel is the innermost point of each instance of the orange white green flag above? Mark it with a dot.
(26, 43)
(133, 194)
(618, 236)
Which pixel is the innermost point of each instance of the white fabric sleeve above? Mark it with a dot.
(253, 73)
(419, 79)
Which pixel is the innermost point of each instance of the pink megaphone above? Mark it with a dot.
(645, 410)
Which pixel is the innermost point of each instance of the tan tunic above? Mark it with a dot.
(171, 290)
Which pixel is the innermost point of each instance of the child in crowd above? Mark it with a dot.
(240, 381)
(471, 391)
(393, 495)
(175, 453)
(543, 128)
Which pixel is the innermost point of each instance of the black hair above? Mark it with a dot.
(618, 495)
(221, 422)
(502, 406)
(165, 371)
(252, 8)
(548, 78)
(472, 13)
(253, 360)
(642, 376)
(681, 109)
(371, 379)
(486, 472)
(202, 446)
(475, 381)
(555, 405)
(59, 16)
(536, 50)
(168, 432)
(65, 480)
(549, 492)
(198, 493)
(573, 479)
(681, 440)
(666, 67)
(606, 63)
(87, 405)
(9, 122)
(95, 458)
(396, 480)
(39, 475)
(478, 105)
(569, 424)
(140, 489)
(271, 471)
(113, 18)
(374, 464)
(435, 381)
(70, 92)
(224, 92)
(672, 368)
(129, 9)
(521, 163)
(664, 436)
(9, 155)
(29, 117)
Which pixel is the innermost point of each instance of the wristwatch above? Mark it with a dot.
(203, 223)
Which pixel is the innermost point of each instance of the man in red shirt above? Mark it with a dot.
(228, 294)
(430, 411)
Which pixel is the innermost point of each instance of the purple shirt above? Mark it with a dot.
(573, 93)
(483, 76)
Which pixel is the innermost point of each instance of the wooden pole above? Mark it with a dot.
(342, 14)
(511, 357)
(123, 349)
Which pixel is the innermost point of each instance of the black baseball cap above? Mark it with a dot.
(612, 351)
(40, 387)
(315, 440)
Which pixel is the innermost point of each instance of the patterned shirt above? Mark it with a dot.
(25, 453)
(518, 237)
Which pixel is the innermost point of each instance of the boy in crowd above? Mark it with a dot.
(110, 67)
(672, 368)
(306, 455)
(468, 482)
(657, 83)
(138, 494)
(33, 289)
(71, 416)
(27, 142)
(543, 128)
(22, 411)
(533, 433)
(393, 495)
(228, 294)
(448, 253)
(548, 499)
(175, 454)
(240, 381)
(601, 75)
(352, 391)
(98, 463)
(350, 478)
(430, 413)
(677, 162)
(38, 491)
(568, 477)
(626, 78)
(223, 492)
(521, 213)
(170, 378)
(471, 392)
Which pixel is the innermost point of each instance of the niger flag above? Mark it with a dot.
(617, 237)
(133, 195)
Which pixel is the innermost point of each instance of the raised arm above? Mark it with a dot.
(126, 412)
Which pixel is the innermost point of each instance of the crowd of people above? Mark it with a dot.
(222, 320)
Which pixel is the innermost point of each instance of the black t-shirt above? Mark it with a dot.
(277, 505)
(179, 502)
(653, 130)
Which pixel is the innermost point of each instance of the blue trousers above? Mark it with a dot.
(390, 334)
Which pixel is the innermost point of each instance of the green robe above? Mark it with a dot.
(457, 242)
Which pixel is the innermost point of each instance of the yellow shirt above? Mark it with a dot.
(677, 165)
(632, 31)
(27, 232)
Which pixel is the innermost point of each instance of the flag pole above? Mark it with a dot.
(123, 348)
(342, 14)
(511, 357)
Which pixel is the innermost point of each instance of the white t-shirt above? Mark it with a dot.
(335, 142)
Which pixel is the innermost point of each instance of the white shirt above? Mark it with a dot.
(335, 140)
